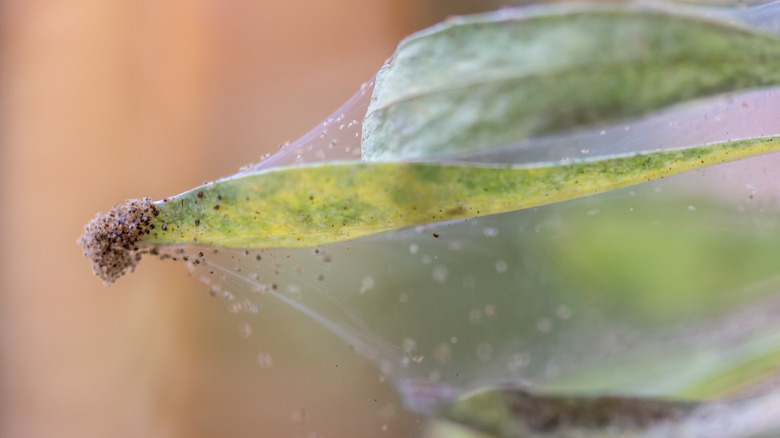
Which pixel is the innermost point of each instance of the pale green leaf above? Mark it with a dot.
(488, 80)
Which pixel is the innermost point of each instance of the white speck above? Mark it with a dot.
(593, 212)
(490, 232)
(368, 284)
(413, 248)
(501, 266)
(250, 307)
(245, 330)
(265, 360)
(563, 312)
(544, 325)
(440, 274)
(518, 361)
(691, 208)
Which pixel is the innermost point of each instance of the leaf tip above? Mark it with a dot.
(111, 240)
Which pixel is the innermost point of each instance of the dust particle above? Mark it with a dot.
(112, 240)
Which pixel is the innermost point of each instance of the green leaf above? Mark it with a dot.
(488, 80)
(316, 204)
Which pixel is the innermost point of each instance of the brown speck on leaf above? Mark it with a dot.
(200, 195)
(216, 207)
(112, 240)
(197, 222)
(436, 235)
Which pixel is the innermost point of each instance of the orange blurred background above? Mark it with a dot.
(106, 100)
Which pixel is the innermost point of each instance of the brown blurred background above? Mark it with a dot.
(106, 100)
